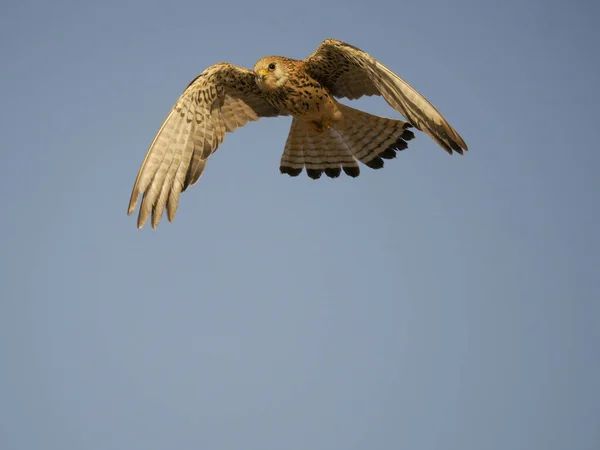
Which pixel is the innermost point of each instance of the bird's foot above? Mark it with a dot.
(320, 126)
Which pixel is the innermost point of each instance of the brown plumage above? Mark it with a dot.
(325, 136)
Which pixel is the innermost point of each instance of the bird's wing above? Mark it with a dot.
(222, 98)
(347, 71)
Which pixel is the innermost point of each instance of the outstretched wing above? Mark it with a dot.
(347, 71)
(222, 98)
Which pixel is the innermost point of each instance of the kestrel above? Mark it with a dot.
(325, 136)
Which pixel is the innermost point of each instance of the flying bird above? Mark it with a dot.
(325, 135)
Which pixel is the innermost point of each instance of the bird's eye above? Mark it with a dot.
(271, 66)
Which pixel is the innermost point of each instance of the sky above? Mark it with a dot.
(443, 302)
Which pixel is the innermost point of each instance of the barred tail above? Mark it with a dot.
(357, 136)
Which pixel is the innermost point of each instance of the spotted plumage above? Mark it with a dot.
(326, 137)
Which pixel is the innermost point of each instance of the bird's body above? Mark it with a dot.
(325, 135)
(296, 93)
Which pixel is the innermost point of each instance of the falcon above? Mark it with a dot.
(326, 137)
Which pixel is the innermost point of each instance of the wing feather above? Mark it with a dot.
(221, 99)
(347, 71)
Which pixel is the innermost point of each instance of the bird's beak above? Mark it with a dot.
(262, 74)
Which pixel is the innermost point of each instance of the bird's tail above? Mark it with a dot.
(357, 136)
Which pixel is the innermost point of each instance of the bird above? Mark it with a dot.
(326, 136)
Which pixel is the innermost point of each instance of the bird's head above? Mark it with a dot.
(271, 72)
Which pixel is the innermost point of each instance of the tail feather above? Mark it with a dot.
(359, 136)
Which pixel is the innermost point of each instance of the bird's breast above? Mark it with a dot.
(304, 98)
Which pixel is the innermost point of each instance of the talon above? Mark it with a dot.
(317, 126)
(320, 126)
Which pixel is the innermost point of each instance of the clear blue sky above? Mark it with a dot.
(440, 303)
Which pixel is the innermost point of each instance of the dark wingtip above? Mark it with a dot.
(407, 135)
(333, 172)
(399, 145)
(290, 171)
(456, 147)
(388, 153)
(351, 171)
(445, 146)
(315, 174)
(375, 163)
